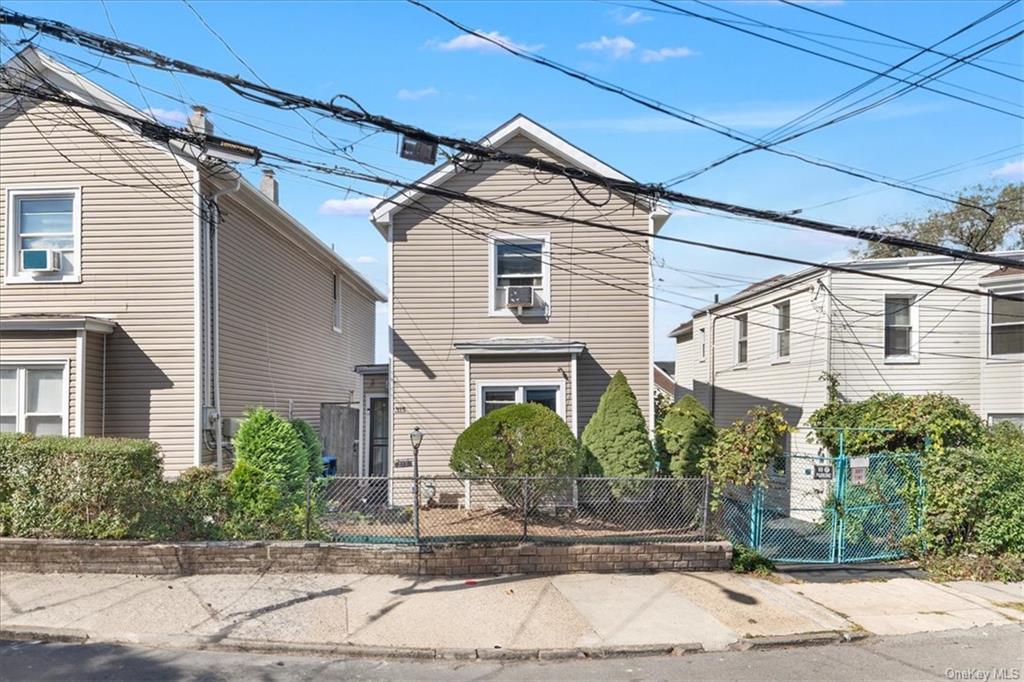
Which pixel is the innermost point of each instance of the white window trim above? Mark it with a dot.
(737, 363)
(518, 385)
(337, 308)
(995, 417)
(39, 363)
(702, 344)
(915, 329)
(492, 272)
(11, 274)
(778, 356)
(988, 331)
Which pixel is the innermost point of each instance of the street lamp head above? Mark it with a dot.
(416, 437)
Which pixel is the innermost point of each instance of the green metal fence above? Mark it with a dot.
(815, 508)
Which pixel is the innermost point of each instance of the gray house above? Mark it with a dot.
(148, 290)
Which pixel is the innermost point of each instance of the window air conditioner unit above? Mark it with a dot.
(519, 297)
(40, 260)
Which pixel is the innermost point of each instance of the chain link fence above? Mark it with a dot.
(445, 509)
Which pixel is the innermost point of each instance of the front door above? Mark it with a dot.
(378, 455)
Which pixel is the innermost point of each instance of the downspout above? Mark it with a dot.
(711, 365)
(214, 280)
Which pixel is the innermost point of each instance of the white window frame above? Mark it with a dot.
(779, 331)
(336, 303)
(915, 329)
(988, 328)
(1012, 417)
(742, 320)
(494, 309)
(12, 260)
(702, 344)
(520, 386)
(63, 364)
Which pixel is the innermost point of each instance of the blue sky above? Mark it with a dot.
(397, 60)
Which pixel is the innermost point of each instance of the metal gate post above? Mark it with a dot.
(526, 506)
(839, 516)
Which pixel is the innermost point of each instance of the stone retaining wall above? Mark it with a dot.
(150, 558)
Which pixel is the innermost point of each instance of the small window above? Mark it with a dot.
(336, 302)
(741, 339)
(1013, 418)
(1007, 326)
(496, 397)
(520, 262)
(899, 327)
(33, 399)
(703, 341)
(782, 329)
(44, 228)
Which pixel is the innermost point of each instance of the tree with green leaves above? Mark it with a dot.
(963, 226)
(686, 430)
(616, 436)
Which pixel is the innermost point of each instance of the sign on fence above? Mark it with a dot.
(823, 472)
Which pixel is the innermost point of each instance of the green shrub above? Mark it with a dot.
(747, 560)
(60, 487)
(311, 442)
(200, 506)
(616, 436)
(686, 430)
(517, 440)
(267, 483)
(941, 420)
(741, 453)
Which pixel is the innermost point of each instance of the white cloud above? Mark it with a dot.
(468, 41)
(666, 53)
(413, 95)
(1010, 169)
(616, 48)
(168, 115)
(359, 207)
(632, 18)
(366, 260)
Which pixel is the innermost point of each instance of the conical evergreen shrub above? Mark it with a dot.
(616, 436)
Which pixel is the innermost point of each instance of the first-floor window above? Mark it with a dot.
(33, 399)
(899, 327)
(1007, 326)
(495, 397)
(1013, 418)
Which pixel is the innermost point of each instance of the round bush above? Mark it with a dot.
(517, 440)
(686, 430)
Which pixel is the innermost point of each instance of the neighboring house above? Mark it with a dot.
(491, 307)
(663, 379)
(772, 342)
(147, 290)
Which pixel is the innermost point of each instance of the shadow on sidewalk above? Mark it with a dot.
(467, 584)
(842, 573)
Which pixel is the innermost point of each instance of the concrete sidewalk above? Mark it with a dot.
(492, 616)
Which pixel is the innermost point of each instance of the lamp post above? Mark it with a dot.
(416, 438)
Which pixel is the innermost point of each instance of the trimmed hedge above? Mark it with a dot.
(615, 438)
(311, 441)
(59, 487)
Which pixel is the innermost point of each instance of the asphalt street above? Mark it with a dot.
(985, 654)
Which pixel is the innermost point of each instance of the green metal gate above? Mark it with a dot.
(823, 509)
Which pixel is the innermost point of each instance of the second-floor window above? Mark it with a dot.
(741, 339)
(900, 329)
(1007, 326)
(782, 329)
(702, 336)
(336, 302)
(43, 235)
(519, 264)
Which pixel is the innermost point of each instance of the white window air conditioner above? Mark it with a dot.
(40, 260)
(519, 298)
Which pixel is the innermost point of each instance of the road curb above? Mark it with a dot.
(346, 650)
(801, 639)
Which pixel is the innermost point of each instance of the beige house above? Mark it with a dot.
(770, 343)
(491, 307)
(148, 290)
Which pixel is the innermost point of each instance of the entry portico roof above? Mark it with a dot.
(55, 323)
(525, 345)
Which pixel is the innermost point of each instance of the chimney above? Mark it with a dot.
(716, 298)
(198, 123)
(268, 184)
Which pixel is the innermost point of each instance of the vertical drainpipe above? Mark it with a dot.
(711, 364)
(214, 276)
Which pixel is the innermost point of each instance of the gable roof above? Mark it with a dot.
(517, 125)
(33, 65)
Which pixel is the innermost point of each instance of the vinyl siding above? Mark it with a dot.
(136, 263)
(19, 347)
(94, 380)
(277, 342)
(440, 296)
(497, 369)
(375, 383)
(686, 364)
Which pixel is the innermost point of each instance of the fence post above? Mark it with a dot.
(309, 504)
(705, 509)
(526, 507)
(416, 507)
(839, 522)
